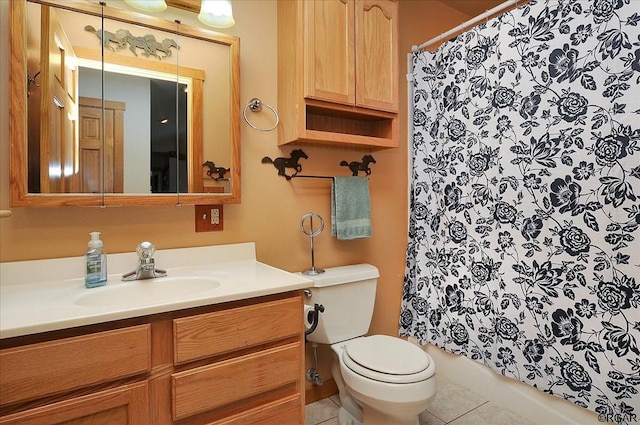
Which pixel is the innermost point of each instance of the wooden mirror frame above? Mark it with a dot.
(18, 160)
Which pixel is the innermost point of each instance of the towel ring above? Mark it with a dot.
(255, 105)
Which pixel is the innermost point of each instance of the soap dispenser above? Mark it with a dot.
(96, 263)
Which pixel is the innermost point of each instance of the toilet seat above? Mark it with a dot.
(387, 359)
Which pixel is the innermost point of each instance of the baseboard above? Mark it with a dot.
(316, 393)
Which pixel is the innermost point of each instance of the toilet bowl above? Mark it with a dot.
(382, 380)
(392, 380)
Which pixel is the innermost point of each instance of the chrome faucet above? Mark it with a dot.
(146, 264)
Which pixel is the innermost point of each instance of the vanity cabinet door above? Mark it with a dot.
(208, 387)
(124, 405)
(287, 410)
(48, 368)
(243, 364)
(210, 334)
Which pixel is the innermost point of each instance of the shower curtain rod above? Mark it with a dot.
(466, 24)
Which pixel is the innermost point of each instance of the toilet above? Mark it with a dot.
(382, 380)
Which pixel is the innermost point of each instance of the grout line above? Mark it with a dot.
(466, 413)
(337, 404)
(328, 419)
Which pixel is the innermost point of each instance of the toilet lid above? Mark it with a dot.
(387, 359)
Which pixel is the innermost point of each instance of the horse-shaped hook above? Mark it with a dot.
(291, 162)
(355, 166)
(220, 171)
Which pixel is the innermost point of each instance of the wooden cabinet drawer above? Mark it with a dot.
(287, 410)
(125, 405)
(206, 335)
(204, 388)
(54, 367)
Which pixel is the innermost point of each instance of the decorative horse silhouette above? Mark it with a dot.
(164, 47)
(148, 43)
(355, 166)
(282, 163)
(220, 171)
(107, 37)
(136, 43)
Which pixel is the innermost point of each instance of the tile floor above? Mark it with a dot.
(452, 404)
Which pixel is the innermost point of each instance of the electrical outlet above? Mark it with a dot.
(208, 218)
(215, 215)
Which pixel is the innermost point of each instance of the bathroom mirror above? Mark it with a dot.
(165, 95)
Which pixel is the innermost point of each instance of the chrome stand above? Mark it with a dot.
(311, 233)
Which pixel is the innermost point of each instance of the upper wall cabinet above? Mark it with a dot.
(338, 72)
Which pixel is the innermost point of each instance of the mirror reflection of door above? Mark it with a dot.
(149, 151)
(92, 157)
(59, 82)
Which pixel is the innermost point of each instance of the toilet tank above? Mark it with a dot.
(348, 295)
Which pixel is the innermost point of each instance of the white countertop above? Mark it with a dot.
(45, 295)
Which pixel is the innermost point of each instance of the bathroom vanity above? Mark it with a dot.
(233, 354)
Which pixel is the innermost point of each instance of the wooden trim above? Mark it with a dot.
(132, 62)
(97, 103)
(315, 393)
(17, 101)
(188, 5)
(195, 160)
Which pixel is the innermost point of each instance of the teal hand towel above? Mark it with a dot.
(350, 208)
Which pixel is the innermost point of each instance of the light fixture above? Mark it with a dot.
(152, 6)
(216, 13)
(164, 120)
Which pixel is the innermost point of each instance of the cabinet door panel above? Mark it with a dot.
(125, 405)
(48, 368)
(329, 63)
(204, 388)
(283, 411)
(206, 335)
(377, 54)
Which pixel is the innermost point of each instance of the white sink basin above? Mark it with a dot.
(148, 291)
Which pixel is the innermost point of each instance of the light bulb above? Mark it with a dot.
(153, 6)
(216, 13)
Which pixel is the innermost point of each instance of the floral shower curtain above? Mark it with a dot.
(524, 249)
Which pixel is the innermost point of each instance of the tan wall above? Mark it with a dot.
(271, 207)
